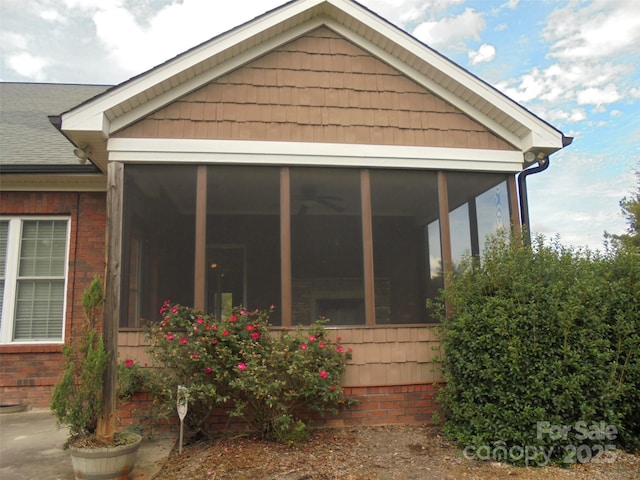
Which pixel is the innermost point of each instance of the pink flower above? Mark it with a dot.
(339, 339)
(321, 344)
(214, 341)
(249, 328)
(174, 309)
(128, 363)
(312, 338)
(303, 346)
(350, 350)
(184, 341)
(272, 306)
(195, 356)
(323, 374)
(225, 333)
(243, 312)
(255, 335)
(195, 329)
(215, 328)
(340, 348)
(170, 336)
(162, 310)
(165, 303)
(233, 318)
(332, 388)
(200, 320)
(208, 370)
(242, 366)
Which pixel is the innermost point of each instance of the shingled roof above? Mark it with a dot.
(27, 137)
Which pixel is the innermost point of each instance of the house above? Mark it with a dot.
(317, 158)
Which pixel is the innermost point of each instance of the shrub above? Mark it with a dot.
(541, 334)
(77, 396)
(272, 381)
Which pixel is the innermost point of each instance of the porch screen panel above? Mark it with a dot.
(40, 282)
(404, 204)
(243, 239)
(479, 204)
(158, 240)
(326, 246)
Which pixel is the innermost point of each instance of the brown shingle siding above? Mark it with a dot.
(318, 88)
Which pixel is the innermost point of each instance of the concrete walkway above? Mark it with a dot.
(31, 449)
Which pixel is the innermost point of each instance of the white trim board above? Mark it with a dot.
(144, 150)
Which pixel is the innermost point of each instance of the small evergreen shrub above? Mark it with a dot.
(272, 380)
(542, 334)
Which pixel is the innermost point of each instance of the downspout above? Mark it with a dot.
(543, 164)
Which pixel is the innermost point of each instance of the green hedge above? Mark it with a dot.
(543, 334)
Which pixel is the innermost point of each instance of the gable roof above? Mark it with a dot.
(33, 154)
(24, 118)
(92, 122)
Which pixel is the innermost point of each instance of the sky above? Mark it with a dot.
(574, 63)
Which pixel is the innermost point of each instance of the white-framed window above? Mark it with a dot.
(34, 253)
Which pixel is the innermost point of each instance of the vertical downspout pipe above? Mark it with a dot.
(543, 164)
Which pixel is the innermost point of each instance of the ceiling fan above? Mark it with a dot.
(310, 197)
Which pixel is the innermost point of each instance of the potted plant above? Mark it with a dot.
(77, 400)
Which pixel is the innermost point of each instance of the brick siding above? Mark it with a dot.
(29, 371)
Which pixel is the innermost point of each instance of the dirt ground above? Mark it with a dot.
(371, 453)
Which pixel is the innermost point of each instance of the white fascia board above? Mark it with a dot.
(85, 120)
(143, 150)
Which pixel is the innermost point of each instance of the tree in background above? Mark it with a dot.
(631, 210)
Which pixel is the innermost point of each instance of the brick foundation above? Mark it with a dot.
(387, 405)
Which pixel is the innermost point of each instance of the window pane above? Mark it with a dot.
(436, 272)
(460, 235)
(326, 244)
(159, 239)
(243, 239)
(39, 310)
(492, 208)
(43, 248)
(4, 235)
(403, 204)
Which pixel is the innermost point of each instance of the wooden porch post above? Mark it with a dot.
(115, 196)
(445, 230)
(285, 247)
(201, 239)
(367, 248)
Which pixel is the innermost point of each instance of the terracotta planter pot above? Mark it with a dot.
(107, 463)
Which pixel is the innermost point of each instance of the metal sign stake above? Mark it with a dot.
(183, 406)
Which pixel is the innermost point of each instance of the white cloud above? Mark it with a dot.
(13, 41)
(405, 12)
(512, 4)
(599, 96)
(615, 113)
(451, 31)
(29, 66)
(573, 115)
(51, 15)
(485, 53)
(593, 30)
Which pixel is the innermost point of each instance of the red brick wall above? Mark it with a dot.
(29, 371)
(387, 405)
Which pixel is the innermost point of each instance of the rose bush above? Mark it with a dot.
(272, 380)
